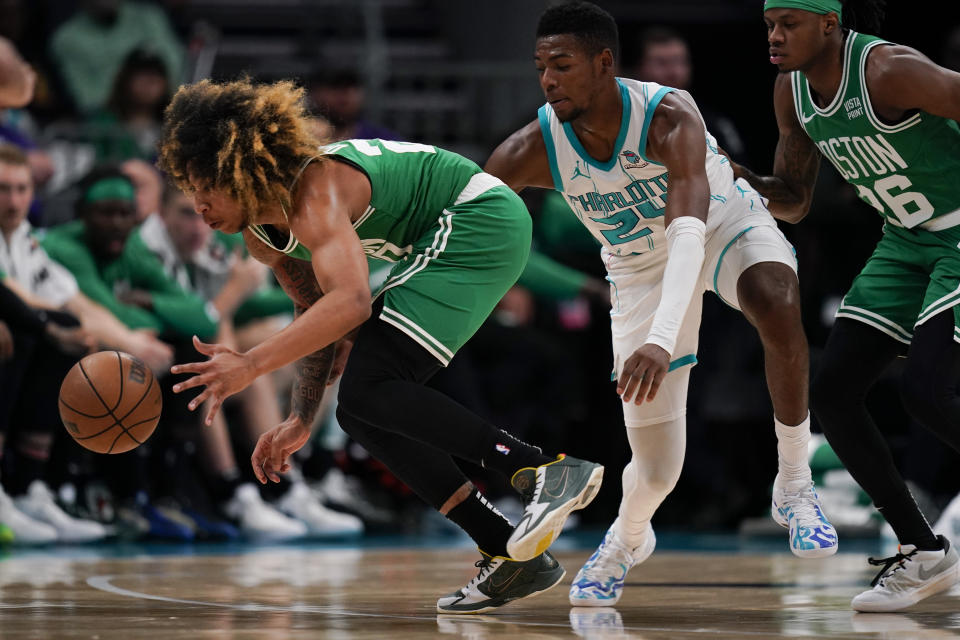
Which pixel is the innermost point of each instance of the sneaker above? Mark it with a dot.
(301, 503)
(143, 518)
(798, 509)
(261, 521)
(348, 494)
(25, 529)
(597, 622)
(502, 580)
(599, 582)
(551, 491)
(909, 577)
(208, 527)
(38, 503)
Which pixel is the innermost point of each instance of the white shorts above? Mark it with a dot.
(737, 244)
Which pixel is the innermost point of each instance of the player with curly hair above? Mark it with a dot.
(459, 239)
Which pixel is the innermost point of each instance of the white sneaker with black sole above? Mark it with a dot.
(301, 503)
(910, 576)
(38, 503)
(25, 529)
(259, 520)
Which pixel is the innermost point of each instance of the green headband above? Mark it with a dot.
(813, 6)
(113, 188)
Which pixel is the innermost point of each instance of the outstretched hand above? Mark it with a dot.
(224, 374)
(275, 447)
(642, 373)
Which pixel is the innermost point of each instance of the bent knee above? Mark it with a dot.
(769, 291)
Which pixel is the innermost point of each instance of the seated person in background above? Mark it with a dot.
(48, 342)
(44, 284)
(212, 266)
(337, 98)
(115, 269)
(89, 48)
(128, 126)
(37, 351)
(147, 183)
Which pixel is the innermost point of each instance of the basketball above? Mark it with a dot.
(110, 402)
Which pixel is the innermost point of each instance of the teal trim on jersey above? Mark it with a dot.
(551, 148)
(683, 361)
(651, 107)
(617, 146)
(716, 273)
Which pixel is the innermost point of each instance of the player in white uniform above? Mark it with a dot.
(639, 169)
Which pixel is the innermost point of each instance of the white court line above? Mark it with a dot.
(103, 583)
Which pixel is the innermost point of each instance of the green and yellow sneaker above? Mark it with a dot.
(552, 492)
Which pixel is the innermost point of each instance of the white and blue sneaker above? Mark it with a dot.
(798, 509)
(599, 582)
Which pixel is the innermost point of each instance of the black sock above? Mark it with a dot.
(482, 522)
(224, 485)
(273, 491)
(23, 470)
(507, 454)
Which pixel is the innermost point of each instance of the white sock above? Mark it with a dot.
(792, 454)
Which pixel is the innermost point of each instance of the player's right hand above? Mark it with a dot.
(642, 373)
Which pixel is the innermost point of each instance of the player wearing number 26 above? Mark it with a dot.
(885, 117)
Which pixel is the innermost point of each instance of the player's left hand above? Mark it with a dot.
(224, 374)
(276, 446)
(642, 373)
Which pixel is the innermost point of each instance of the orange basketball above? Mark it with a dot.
(110, 402)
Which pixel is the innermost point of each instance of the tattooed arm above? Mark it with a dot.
(795, 166)
(312, 371)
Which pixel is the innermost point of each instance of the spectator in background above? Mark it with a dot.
(148, 184)
(115, 269)
(44, 284)
(128, 126)
(42, 346)
(17, 84)
(338, 97)
(665, 59)
(212, 266)
(90, 47)
(36, 350)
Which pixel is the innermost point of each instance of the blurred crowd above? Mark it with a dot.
(97, 251)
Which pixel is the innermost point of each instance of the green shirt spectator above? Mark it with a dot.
(135, 269)
(90, 47)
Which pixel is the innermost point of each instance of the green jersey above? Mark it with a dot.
(411, 184)
(903, 170)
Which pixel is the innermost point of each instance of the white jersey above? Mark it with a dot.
(622, 201)
(23, 259)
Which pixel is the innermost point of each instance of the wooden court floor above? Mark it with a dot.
(281, 593)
